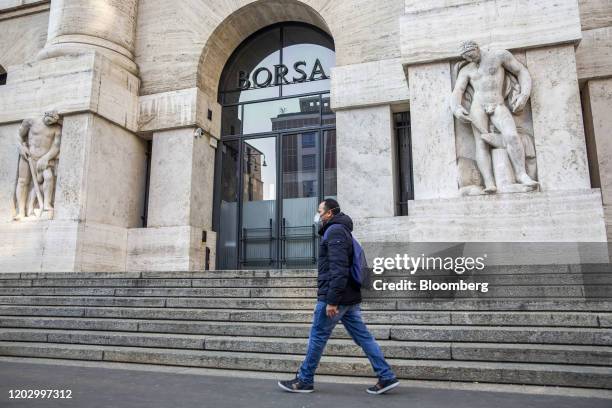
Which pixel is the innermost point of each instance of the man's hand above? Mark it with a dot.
(461, 114)
(331, 310)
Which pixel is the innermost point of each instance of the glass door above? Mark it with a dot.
(227, 190)
(258, 214)
(300, 197)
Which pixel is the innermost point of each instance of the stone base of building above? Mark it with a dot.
(561, 216)
(182, 248)
(568, 224)
(62, 246)
(73, 246)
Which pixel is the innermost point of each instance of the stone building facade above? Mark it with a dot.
(141, 177)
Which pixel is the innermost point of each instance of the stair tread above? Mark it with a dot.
(406, 326)
(301, 340)
(338, 359)
(391, 312)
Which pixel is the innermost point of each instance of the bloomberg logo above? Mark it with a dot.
(263, 77)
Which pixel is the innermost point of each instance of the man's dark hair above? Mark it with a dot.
(331, 204)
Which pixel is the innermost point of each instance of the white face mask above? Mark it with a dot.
(317, 218)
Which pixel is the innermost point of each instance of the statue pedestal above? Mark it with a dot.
(575, 216)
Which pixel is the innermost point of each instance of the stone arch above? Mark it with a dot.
(239, 25)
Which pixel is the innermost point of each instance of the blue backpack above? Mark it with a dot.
(359, 263)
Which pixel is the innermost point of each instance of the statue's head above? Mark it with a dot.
(51, 118)
(470, 51)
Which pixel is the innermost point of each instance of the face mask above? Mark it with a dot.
(317, 218)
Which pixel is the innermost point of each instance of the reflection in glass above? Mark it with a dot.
(329, 164)
(328, 117)
(227, 250)
(260, 52)
(313, 52)
(281, 114)
(231, 120)
(300, 197)
(258, 202)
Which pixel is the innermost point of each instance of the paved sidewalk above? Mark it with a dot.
(96, 387)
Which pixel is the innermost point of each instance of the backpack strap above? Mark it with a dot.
(326, 235)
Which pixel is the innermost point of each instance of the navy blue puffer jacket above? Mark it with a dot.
(335, 284)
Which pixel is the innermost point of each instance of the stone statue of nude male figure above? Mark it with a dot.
(485, 72)
(39, 146)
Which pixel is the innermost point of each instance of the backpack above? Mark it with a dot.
(359, 263)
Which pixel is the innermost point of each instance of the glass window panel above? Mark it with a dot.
(300, 178)
(227, 254)
(308, 55)
(299, 165)
(250, 68)
(231, 120)
(308, 162)
(259, 202)
(306, 87)
(328, 116)
(281, 115)
(308, 140)
(329, 163)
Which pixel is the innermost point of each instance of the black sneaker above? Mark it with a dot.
(295, 385)
(383, 386)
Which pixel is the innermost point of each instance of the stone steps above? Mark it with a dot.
(467, 304)
(559, 270)
(536, 325)
(552, 319)
(490, 334)
(508, 352)
(449, 370)
(494, 280)
(508, 291)
(540, 278)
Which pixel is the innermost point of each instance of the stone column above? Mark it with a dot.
(366, 180)
(179, 218)
(434, 157)
(106, 26)
(598, 106)
(557, 119)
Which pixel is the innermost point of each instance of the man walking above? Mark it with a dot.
(338, 299)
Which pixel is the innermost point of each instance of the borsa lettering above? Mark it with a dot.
(263, 77)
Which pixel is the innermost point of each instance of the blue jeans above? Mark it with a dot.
(322, 327)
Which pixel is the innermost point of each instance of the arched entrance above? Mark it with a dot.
(277, 157)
